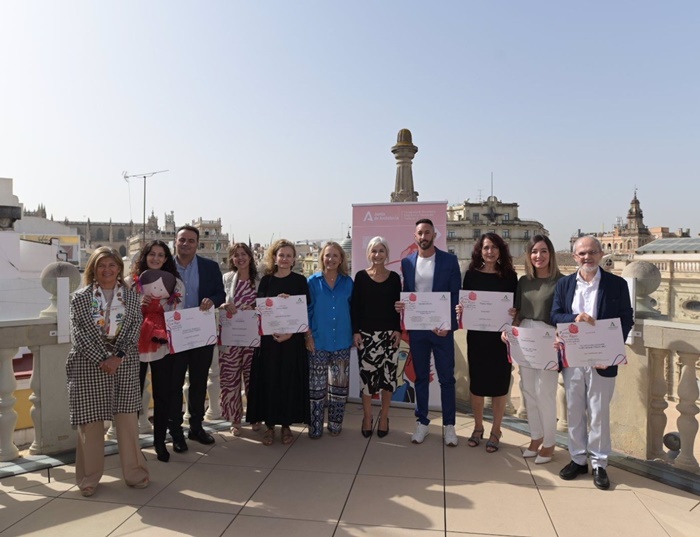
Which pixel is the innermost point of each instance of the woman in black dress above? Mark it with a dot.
(279, 377)
(491, 269)
(376, 328)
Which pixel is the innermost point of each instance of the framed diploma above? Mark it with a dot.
(533, 347)
(485, 310)
(190, 328)
(282, 315)
(426, 311)
(239, 329)
(587, 345)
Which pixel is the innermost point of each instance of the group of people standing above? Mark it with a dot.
(297, 378)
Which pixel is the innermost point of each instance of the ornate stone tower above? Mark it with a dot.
(404, 151)
(635, 217)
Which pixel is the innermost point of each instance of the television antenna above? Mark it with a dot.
(145, 176)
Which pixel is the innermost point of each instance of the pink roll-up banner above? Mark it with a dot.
(395, 222)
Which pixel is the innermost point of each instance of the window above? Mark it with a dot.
(201, 246)
(526, 235)
(506, 217)
(476, 234)
(506, 234)
(475, 217)
(120, 235)
(451, 234)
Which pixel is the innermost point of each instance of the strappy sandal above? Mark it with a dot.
(269, 436)
(476, 437)
(87, 492)
(491, 446)
(287, 436)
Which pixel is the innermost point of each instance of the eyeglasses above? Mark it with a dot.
(587, 253)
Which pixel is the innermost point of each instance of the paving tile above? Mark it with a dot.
(624, 513)
(341, 454)
(465, 463)
(24, 481)
(650, 488)
(392, 456)
(53, 489)
(496, 509)
(209, 487)
(69, 517)
(300, 495)
(354, 530)
(397, 502)
(15, 506)
(244, 451)
(677, 521)
(149, 521)
(67, 472)
(257, 526)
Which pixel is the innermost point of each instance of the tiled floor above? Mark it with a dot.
(348, 486)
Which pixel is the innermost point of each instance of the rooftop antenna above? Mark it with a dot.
(145, 176)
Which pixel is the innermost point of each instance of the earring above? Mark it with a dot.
(498, 260)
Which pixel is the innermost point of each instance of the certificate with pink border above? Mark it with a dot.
(587, 345)
(533, 347)
(282, 315)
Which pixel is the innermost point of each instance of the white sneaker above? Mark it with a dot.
(420, 434)
(450, 436)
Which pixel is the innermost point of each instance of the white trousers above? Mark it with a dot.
(540, 393)
(588, 397)
(539, 388)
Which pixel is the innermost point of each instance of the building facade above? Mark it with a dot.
(467, 221)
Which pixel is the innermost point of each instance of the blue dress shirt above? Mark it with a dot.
(190, 276)
(329, 312)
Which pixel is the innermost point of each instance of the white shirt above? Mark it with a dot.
(425, 271)
(586, 295)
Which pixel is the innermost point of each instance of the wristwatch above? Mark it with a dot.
(120, 354)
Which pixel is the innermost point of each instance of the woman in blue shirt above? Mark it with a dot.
(329, 340)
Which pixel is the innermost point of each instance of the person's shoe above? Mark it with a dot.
(600, 478)
(87, 491)
(381, 433)
(541, 459)
(368, 432)
(162, 453)
(572, 471)
(179, 444)
(529, 454)
(451, 439)
(201, 436)
(421, 432)
(141, 484)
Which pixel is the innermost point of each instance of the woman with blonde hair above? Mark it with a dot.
(376, 327)
(330, 340)
(279, 376)
(102, 370)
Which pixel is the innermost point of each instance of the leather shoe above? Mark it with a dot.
(201, 436)
(179, 444)
(162, 452)
(600, 478)
(572, 470)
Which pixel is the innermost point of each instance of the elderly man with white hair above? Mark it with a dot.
(588, 295)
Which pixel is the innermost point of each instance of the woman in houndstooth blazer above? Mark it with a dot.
(103, 371)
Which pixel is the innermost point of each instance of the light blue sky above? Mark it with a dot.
(277, 116)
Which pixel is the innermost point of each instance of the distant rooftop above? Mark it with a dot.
(676, 245)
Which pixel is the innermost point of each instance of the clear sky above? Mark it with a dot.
(277, 116)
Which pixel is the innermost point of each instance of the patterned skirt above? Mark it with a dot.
(379, 362)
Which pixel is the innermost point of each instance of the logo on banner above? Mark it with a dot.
(368, 217)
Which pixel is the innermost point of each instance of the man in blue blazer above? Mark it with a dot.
(204, 288)
(589, 294)
(432, 270)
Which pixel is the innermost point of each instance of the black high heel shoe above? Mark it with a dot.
(380, 433)
(368, 432)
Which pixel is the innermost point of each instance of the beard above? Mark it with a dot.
(425, 244)
(589, 268)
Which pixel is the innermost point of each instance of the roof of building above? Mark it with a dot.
(690, 245)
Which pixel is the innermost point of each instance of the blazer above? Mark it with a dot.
(613, 301)
(447, 277)
(211, 284)
(230, 281)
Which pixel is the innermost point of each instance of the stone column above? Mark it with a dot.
(687, 406)
(657, 404)
(8, 415)
(214, 389)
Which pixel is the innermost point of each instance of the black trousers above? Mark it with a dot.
(198, 361)
(163, 390)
